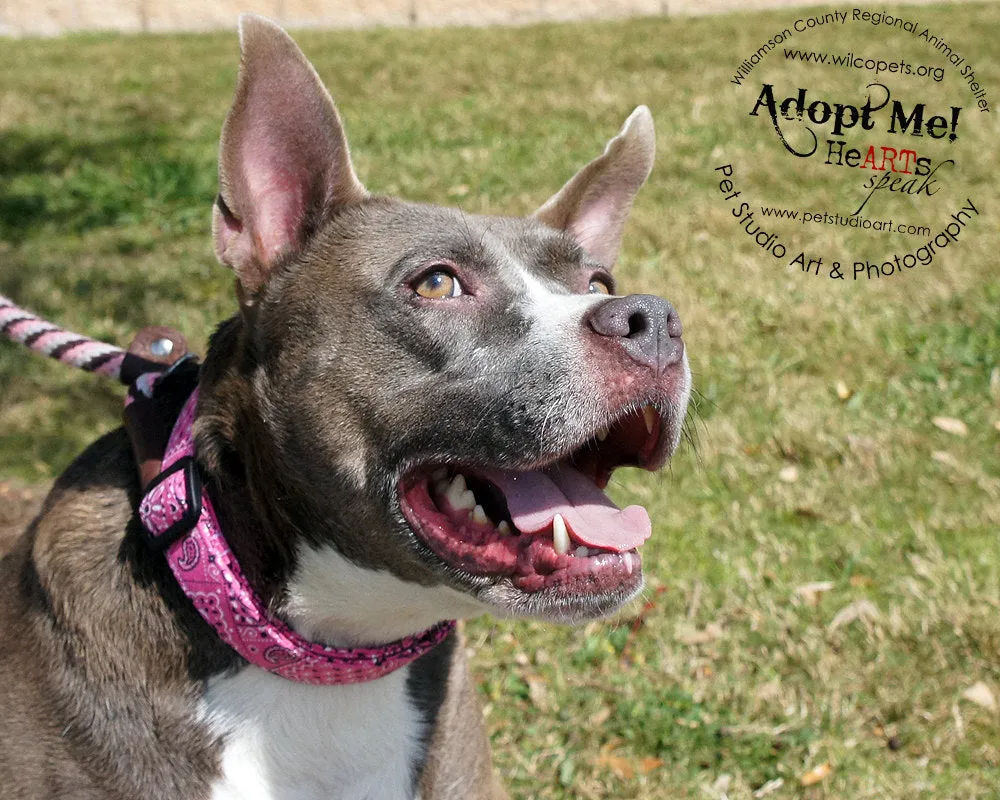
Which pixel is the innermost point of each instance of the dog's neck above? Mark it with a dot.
(282, 539)
(179, 516)
(254, 513)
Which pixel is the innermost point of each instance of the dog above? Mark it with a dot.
(410, 420)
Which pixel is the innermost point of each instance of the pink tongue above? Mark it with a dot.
(534, 498)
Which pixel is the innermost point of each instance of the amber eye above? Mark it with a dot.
(599, 286)
(438, 285)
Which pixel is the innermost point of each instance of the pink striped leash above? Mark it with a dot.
(50, 340)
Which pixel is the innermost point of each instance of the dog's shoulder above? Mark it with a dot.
(75, 535)
(117, 700)
(30, 735)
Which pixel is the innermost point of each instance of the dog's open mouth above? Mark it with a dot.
(548, 527)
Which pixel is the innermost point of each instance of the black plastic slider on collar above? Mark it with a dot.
(158, 541)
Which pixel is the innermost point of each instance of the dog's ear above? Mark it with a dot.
(593, 205)
(284, 165)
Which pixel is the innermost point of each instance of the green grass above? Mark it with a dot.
(107, 149)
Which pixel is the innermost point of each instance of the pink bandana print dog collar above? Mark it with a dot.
(210, 576)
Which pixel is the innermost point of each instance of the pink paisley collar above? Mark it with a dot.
(210, 576)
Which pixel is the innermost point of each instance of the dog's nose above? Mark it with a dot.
(646, 326)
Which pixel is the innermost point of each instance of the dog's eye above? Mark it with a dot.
(599, 286)
(438, 285)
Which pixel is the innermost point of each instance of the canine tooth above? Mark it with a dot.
(503, 528)
(602, 434)
(467, 501)
(560, 538)
(459, 496)
(582, 551)
(649, 415)
(628, 563)
(478, 515)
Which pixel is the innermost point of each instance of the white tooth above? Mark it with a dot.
(628, 563)
(466, 501)
(461, 499)
(439, 474)
(560, 538)
(478, 515)
(602, 434)
(503, 528)
(582, 551)
(650, 416)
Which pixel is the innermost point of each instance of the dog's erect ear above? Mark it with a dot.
(593, 205)
(283, 161)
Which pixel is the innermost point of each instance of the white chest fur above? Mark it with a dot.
(291, 741)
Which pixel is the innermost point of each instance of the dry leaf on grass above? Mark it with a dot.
(769, 788)
(811, 592)
(864, 610)
(719, 788)
(789, 474)
(981, 694)
(816, 774)
(625, 768)
(843, 392)
(619, 765)
(600, 717)
(648, 764)
(537, 692)
(951, 425)
(956, 715)
(943, 457)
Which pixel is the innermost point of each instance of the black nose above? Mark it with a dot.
(647, 327)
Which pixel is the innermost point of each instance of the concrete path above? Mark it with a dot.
(53, 17)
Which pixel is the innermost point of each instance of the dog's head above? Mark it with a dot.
(430, 400)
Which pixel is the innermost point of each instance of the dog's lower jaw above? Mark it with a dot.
(506, 600)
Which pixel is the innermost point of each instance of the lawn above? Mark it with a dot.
(822, 613)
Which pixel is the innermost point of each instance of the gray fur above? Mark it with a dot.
(329, 384)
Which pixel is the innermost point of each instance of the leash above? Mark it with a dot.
(48, 339)
(178, 519)
(153, 350)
